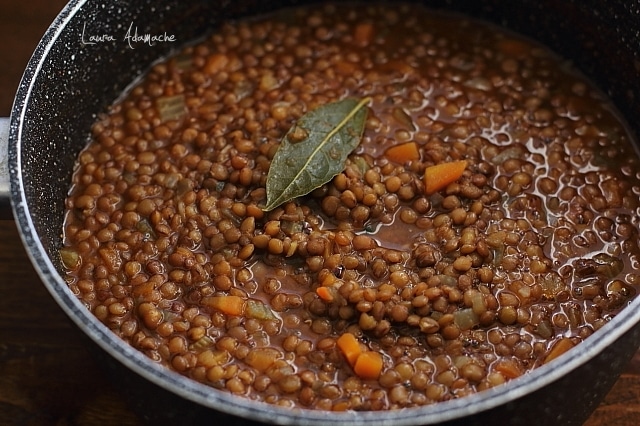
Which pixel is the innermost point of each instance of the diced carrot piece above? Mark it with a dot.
(508, 368)
(403, 153)
(216, 63)
(345, 67)
(350, 347)
(363, 34)
(558, 348)
(441, 175)
(368, 365)
(325, 294)
(230, 305)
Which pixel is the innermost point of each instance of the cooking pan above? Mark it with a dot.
(84, 62)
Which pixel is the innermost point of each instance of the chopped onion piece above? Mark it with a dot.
(171, 107)
(466, 319)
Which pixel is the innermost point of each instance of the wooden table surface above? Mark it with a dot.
(47, 375)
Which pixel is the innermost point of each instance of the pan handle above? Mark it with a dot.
(5, 204)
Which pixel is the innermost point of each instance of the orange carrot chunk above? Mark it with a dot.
(441, 175)
(403, 153)
(325, 294)
(230, 305)
(508, 368)
(368, 365)
(216, 63)
(350, 347)
(558, 348)
(364, 33)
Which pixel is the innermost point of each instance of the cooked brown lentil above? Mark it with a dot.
(459, 291)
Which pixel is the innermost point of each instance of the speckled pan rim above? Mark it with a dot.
(223, 401)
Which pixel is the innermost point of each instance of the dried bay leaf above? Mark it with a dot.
(315, 149)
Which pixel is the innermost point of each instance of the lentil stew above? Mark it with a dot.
(377, 290)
